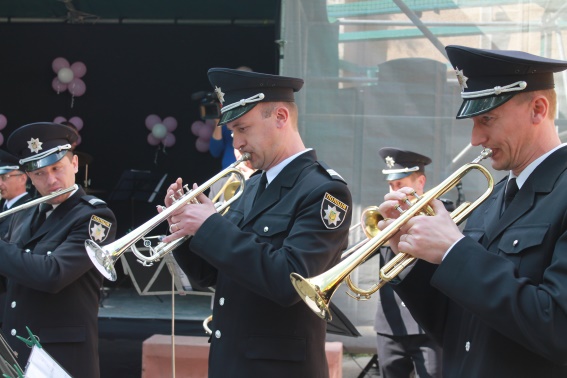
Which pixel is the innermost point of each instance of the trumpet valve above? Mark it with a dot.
(186, 187)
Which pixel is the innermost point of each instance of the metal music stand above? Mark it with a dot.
(138, 185)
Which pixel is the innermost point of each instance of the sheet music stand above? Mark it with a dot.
(155, 280)
(137, 185)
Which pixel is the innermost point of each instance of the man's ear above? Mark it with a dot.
(282, 116)
(539, 108)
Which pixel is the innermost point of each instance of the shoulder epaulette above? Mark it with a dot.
(334, 175)
(93, 201)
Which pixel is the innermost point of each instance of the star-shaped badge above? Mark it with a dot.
(35, 145)
(390, 161)
(220, 94)
(461, 78)
(98, 232)
(332, 216)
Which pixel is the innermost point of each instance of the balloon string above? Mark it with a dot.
(72, 101)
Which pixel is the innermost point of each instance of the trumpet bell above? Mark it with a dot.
(312, 295)
(103, 260)
(369, 221)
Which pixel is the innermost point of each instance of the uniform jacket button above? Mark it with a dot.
(217, 334)
(221, 301)
(28, 251)
(48, 253)
(13, 332)
(468, 346)
(14, 304)
(266, 229)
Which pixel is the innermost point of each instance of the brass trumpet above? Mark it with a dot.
(317, 291)
(104, 258)
(38, 201)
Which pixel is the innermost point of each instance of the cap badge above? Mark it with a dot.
(35, 145)
(220, 94)
(390, 161)
(461, 78)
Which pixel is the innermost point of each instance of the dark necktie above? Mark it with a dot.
(511, 190)
(5, 206)
(261, 186)
(44, 208)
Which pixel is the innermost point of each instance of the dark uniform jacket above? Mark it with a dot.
(498, 301)
(5, 221)
(53, 287)
(261, 328)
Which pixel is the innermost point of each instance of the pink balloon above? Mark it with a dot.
(201, 145)
(1, 139)
(205, 133)
(79, 69)
(169, 140)
(3, 121)
(151, 120)
(58, 86)
(77, 121)
(170, 123)
(59, 119)
(197, 126)
(59, 63)
(77, 87)
(152, 140)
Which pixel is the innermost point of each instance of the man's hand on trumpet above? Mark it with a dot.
(424, 237)
(189, 218)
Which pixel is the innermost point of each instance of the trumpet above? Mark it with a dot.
(104, 258)
(38, 201)
(317, 291)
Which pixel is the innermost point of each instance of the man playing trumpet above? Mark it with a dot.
(495, 295)
(293, 216)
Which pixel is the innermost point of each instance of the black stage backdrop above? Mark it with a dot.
(132, 71)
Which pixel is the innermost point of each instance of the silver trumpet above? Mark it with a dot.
(38, 201)
(104, 258)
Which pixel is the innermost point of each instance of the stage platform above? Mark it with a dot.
(127, 318)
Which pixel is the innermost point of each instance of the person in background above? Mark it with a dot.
(293, 216)
(13, 187)
(52, 286)
(220, 144)
(403, 348)
(495, 295)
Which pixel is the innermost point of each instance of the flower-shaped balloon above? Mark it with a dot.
(3, 123)
(203, 131)
(75, 122)
(161, 131)
(69, 77)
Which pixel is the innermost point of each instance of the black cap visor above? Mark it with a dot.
(4, 170)
(475, 106)
(397, 176)
(235, 113)
(44, 162)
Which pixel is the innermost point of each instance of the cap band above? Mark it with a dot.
(242, 102)
(514, 87)
(10, 167)
(46, 153)
(403, 170)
